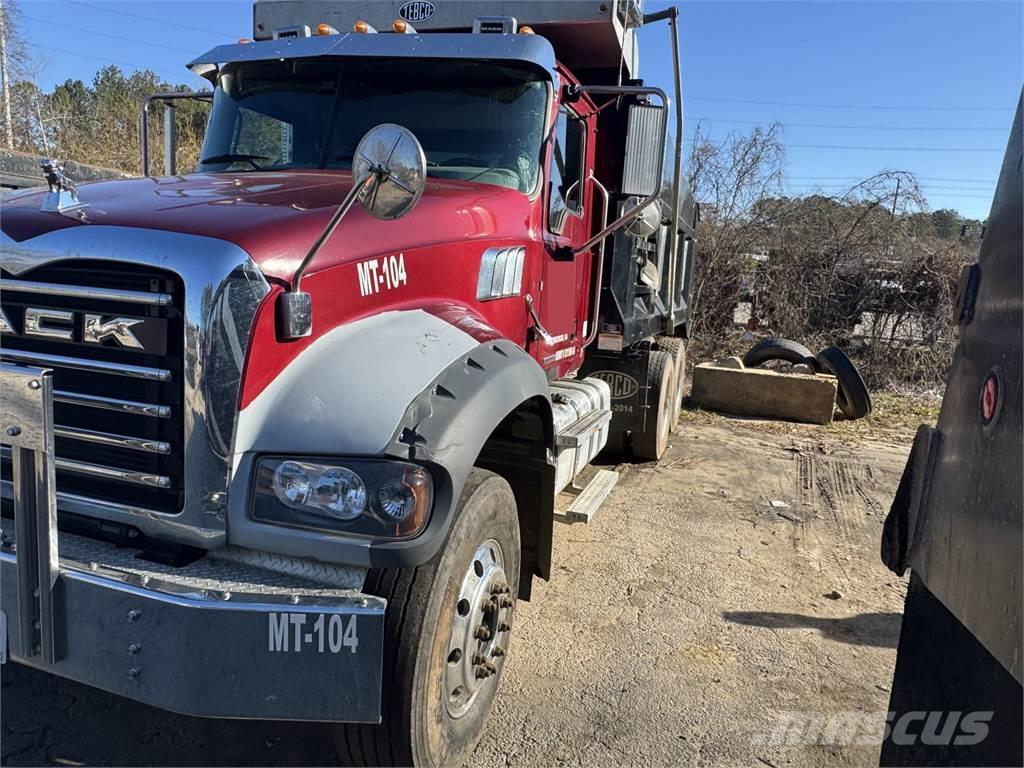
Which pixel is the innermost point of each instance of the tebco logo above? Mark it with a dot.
(418, 10)
(622, 385)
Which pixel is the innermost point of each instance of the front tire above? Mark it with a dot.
(446, 638)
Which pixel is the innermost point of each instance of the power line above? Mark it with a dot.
(894, 149)
(148, 43)
(786, 124)
(919, 178)
(850, 106)
(164, 22)
(106, 60)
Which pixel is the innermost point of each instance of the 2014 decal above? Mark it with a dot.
(384, 274)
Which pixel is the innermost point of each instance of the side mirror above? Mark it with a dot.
(389, 173)
(392, 160)
(645, 150)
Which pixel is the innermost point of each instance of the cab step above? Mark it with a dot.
(585, 505)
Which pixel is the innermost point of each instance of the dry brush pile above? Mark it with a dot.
(870, 270)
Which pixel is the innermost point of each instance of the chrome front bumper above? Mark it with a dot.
(215, 638)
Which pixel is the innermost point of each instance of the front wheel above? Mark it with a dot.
(447, 635)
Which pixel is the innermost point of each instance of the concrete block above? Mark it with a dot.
(730, 362)
(759, 392)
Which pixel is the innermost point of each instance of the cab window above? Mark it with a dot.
(566, 169)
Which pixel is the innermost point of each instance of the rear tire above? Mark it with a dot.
(653, 440)
(676, 349)
(433, 618)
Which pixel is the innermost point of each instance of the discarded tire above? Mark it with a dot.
(779, 349)
(852, 394)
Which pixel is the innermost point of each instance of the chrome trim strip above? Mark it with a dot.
(112, 404)
(113, 473)
(106, 438)
(85, 292)
(84, 364)
(107, 473)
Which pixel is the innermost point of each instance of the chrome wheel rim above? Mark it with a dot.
(480, 629)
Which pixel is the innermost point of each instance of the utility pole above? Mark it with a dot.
(5, 76)
(895, 197)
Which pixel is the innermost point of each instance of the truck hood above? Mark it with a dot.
(276, 216)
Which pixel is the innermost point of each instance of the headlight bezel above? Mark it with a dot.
(372, 522)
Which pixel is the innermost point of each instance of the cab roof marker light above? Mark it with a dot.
(244, 40)
(363, 27)
(526, 30)
(323, 29)
(403, 27)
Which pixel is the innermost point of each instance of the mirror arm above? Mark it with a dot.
(598, 268)
(339, 214)
(628, 216)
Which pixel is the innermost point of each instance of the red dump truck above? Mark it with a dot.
(283, 437)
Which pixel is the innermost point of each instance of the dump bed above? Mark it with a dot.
(588, 36)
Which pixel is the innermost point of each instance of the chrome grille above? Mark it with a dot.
(118, 411)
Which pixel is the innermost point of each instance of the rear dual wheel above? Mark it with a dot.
(676, 349)
(446, 637)
(651, 442)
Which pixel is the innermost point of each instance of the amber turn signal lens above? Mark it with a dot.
(400, 26)
(361, 27)
(525, 30)
(325, 29)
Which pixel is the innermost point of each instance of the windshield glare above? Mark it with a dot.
(477, 122)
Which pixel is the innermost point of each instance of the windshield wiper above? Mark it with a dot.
(350, 158)
(231, 157)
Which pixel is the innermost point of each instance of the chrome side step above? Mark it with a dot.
(585, 505)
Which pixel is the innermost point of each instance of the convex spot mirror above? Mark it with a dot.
(393, 156)
(389, 172)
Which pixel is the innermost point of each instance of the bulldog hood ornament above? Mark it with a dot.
(63, 194)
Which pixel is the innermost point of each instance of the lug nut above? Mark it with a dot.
(482, 673)
(506, 602)
(483, 633)
(489, 605)
(133, 672)
(479, 658)
(504, 627)
(497, 651)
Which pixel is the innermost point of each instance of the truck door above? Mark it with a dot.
(564, 275)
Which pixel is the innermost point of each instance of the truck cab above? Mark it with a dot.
(311, 405)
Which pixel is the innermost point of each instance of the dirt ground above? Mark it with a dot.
(676, 627)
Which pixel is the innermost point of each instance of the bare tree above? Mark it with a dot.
(15, 61)
(731, 179)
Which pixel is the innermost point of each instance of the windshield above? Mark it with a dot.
(477, 122)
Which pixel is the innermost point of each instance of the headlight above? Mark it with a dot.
(363, 497)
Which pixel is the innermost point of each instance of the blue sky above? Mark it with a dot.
(937, 81)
